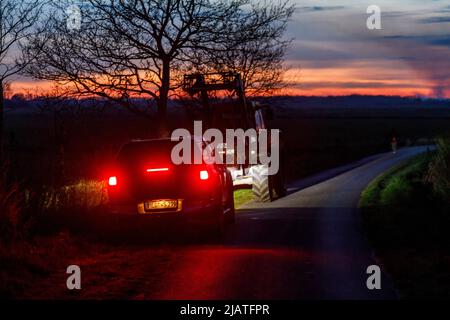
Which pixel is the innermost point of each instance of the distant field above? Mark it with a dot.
(315, 144)
(64, 149)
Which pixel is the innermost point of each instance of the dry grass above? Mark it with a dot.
(26, 257)
(87, 194)
(24, 264)
(12, 223)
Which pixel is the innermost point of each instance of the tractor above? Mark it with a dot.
(220, 102)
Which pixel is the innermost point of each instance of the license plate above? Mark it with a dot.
(161, 205)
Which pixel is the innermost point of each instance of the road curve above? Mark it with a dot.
(308, 245)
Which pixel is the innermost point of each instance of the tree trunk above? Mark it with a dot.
(2, 104)
(164, 100)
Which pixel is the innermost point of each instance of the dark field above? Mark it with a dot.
(59, 149)
(316, 144)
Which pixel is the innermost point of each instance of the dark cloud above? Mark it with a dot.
(423, 39)
(353, 84)
(398, 14)
(441, 41)
(302, 51)
(432, 63)
(443, 19)
(319, 8)
(399, 37)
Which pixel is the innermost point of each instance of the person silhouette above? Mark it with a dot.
(394, 145)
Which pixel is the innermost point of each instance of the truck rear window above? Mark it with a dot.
(148, 151)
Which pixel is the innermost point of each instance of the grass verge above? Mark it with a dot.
(242, 196)
(407, 224)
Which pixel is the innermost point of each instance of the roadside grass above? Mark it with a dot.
(242, 196)
(34, 239)
(394, 186)
(25, 265)
(87, 194)
(407, 224)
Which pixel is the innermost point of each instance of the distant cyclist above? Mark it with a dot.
(394, 145)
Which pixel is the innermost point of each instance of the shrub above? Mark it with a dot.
(20, 211)
(396, 191)
(10, 213)
(86, 194)
(438, 174)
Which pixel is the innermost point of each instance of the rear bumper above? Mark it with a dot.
(201, 209)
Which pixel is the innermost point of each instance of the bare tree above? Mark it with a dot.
(18, 19)
(139, 48)
(257, 50)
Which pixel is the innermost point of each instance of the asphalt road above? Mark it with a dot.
(308, 245)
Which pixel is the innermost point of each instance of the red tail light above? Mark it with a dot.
(204, 175)
(157, 169)
(112, 181)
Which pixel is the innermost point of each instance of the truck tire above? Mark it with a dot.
(261, 185)
(230, 217)
(278, 183)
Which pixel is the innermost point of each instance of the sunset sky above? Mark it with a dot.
(333, 52)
